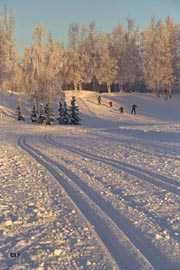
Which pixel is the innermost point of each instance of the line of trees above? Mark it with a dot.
(126, 59)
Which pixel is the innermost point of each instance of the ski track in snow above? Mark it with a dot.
(39, 221)
(82, 154)
(85, 107)
(102, 216)
(155, 179)
(148, 251)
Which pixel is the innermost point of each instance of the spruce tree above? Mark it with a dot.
(34, 114)
(47, 114)
(61, 113)
(74, 112)
(65, 114)
(41, 117)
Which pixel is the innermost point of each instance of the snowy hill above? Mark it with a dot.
(151, 111)
(151, 106)
(8, 104)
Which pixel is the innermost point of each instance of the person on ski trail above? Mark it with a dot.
(121, 109)
(99, 99)
(133, 109)
(110, 104)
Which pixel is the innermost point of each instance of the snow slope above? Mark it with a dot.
(102, 195)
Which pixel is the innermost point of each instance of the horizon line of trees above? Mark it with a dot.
(125, 59)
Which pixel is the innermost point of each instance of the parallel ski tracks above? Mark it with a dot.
(154, 218)
(150, 177)
(125, 243)
(157, 149)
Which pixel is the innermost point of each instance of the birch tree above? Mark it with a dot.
(106, 72)
(8, 54)
(159, 70)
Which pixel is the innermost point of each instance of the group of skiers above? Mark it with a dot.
(121, 109)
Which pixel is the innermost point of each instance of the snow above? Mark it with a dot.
(102, 195)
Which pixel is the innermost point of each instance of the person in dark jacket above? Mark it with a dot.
(110, 104)
(133, 109)
(121, 109)
(99, 100)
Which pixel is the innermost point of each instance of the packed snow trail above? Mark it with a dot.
(38, 220)
(85, 107)
(76, 151)
(157, 180)
(147, 249)
(97, 212)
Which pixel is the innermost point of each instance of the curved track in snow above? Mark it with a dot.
(143, 174)
(156, 149)
(99, 214)
(125, 242)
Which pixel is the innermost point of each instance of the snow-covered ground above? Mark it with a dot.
(102, 195)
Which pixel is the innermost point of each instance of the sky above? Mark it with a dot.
(56, 15)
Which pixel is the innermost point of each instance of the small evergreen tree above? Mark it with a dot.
(74, 112)
(47, 114)
(34, 114)
(41, 117)
(61, 113)
(65, 114)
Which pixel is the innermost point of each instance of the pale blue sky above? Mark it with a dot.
(56, 15)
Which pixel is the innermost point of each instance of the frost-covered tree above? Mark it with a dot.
(76, 60)
(34, 68)
(126, 58)
(54, 65)
(74, 112)
(42, 65)
(8, 54)
(41, 116)
(130, 63)
(48, 114)
(158, 63)
(34, 114)
(66, 114)
(61, 113)
(106, 72)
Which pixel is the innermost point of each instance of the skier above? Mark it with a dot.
(110, 104)
(133, 109)
(121, 109)
(19, 115)
(99, 99)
